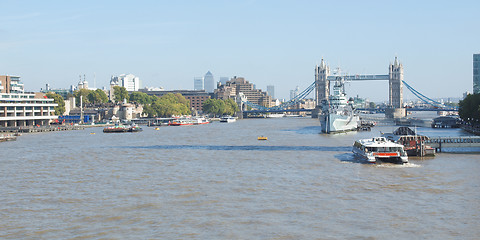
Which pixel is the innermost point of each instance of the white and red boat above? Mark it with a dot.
(380, 149)
(189, 121)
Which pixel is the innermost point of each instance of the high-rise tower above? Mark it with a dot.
(395, 96)
(476, 73)
(271, 91)
(198, 83)
(209, 82)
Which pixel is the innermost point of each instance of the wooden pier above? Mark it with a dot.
(35, 129)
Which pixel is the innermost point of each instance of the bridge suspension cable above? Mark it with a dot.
(422, 97)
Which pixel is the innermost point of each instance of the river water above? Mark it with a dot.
(217, 181)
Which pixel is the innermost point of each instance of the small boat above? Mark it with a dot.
(380, 149)
(262, 138)
(275, 115)
(200, 121)
(122, 128)
(8, 137)
(228, 119)
(134, 128)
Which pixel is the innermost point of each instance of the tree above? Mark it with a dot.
(82, 92)
(231, 107)
(220, 107)
(167, 105)
(60, 109)
(102, 96)
(120, 93)
(139, 97)
(469, 108)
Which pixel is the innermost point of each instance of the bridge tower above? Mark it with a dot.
(395, 85)
(395, 90)
(322, 86)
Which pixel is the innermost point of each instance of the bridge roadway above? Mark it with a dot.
(278, 110)
(451, 142)
(378, 110)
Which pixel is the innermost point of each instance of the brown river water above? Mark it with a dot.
(217, 181)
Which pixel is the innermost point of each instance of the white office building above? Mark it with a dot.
(26, 109)
(128, 81)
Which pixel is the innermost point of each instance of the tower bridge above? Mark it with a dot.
(321, 85)
(395, 86)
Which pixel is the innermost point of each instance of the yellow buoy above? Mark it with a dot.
(157, 128)
(92, 133)
(262, 138)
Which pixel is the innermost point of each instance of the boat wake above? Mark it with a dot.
(391, 165)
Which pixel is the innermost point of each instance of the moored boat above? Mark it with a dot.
(122, 128)
(189, 121)
(413, 143)
(380, 149)
(338, 113)
(228, 119)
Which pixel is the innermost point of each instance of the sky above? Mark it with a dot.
(168, 43)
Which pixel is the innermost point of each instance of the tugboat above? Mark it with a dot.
(413, 143)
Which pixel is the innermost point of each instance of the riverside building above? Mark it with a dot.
(26, 109)
(20, 109)
(10, 84)
(238, 85)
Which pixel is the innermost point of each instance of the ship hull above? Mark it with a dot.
(331, 123)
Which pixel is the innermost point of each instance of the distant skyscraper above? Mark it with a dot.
(209, 82)
(294, 93)
(476, 73)
(224, 80)
(198, 83)
(271, 91)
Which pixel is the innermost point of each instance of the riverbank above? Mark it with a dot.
(471, 129)
(51, 128)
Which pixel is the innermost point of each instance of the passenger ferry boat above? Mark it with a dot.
(380, 149)
(189, 121)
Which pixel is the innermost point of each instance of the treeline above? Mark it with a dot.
(469, 108)
(220, 107)
(153, 106)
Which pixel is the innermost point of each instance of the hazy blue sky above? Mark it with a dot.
(168, 43)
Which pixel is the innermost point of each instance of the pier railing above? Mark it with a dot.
(444, 142)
